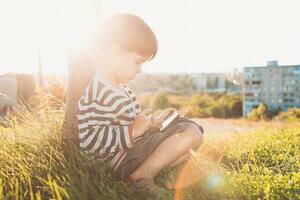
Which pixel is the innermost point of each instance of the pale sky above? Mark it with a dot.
(193, 35)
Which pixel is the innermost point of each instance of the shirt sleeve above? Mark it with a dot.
(136, 104)
(97, 110)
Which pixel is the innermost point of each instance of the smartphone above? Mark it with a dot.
(169, 119)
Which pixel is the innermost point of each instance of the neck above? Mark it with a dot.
(103, 67)
(112, 79)
(110, 76)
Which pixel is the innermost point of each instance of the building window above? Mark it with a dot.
(288, 100)
(256, 82)
(249, 94)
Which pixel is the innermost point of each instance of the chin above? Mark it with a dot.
(126, 80)
(131, 78)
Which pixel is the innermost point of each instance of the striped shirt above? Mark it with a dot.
(105, 117)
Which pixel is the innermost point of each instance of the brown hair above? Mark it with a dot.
(130, 32)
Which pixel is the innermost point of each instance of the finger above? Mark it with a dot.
(172, 108)
(182, 114)
(151, 117)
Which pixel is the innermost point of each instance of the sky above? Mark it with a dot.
(194, 35)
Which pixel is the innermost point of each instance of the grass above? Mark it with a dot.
(35, 164)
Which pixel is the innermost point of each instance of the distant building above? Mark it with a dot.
(217, 82)
(276, 86)
(9, 85)
(8, 93)
(18, 87)
(210, 82)
(6, 104)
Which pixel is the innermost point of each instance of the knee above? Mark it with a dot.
(195, 134)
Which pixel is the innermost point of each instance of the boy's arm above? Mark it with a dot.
(101, 116)
(142, 123)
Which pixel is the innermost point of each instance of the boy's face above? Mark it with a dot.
(126, 65)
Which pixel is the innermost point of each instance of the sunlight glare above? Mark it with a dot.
(53, 26)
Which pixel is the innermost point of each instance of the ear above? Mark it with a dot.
(115, 49)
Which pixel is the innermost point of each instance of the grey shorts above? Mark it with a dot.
(147, 143)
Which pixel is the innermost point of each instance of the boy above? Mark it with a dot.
(110, 121)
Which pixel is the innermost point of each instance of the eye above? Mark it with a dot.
(137, 62)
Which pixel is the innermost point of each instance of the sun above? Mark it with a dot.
(49, 25)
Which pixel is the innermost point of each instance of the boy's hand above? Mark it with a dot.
(157, 121)
(142, 123)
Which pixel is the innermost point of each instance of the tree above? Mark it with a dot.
(236, 107)
(262, 111)
(160, 101)
(259, 113)
(79, 74)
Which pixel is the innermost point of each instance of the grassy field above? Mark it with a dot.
(263, 163)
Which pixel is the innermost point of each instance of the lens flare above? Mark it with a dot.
(197, 171)
(214, 180)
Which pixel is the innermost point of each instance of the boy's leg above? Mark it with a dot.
(180, 160)
(168, 152)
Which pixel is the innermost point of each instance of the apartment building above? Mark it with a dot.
(276, 86)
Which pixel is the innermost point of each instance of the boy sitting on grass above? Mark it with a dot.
(110, 121)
